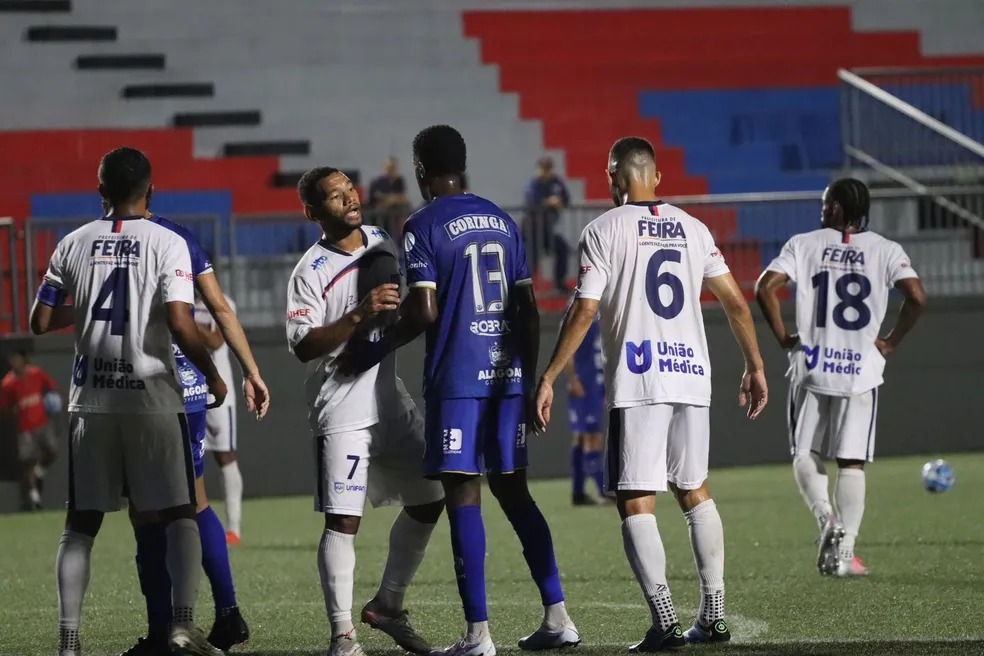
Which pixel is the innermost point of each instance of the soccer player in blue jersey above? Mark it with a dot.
(586, 405)
(471, 291)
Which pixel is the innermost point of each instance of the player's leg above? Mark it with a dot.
(453, 455)
(160, 478)
(28, 457)
(594, 458)
(636, 461)
(95, 485)
(343, 472)
(221, 441)
(48, 448)
(155, 583)
(506, 461)
(395, 479)
(807, 417)
(688, 447)
(853, 444)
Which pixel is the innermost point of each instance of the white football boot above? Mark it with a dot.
(543, 638)
(828, 554)
(462, 648)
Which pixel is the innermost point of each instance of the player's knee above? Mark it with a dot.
(594, 443)
(347, 524)
(510, 490)
(428, 513)
(843, 463)
(223, 458)
(462, 490)
(86, 522)
(690, 499)
(634, 502)
(174, 513)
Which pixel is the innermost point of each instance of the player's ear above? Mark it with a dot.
(419, 170)
(309, 213)
(658, 177)
(150, 192)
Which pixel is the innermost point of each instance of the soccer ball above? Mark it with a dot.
(52, 403)
(937, 476)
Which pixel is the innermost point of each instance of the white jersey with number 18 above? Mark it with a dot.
(646, 263)
(842, 287)
(120, 273)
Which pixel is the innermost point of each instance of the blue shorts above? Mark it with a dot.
(469, 436)
(196, 429)
(587, 412)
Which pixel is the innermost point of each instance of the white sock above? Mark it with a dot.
(40, 470)
(555, 617)
(408, 540)
(644, 549)
(233, 482)
(184, 566)
(336, 565)
(849, 493)
(477, 632)
(811, 478)
(34, 495)
(707, 542)
(72, 575)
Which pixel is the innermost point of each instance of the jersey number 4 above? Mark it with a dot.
(115, 292)
(847, 299)
(494, 274)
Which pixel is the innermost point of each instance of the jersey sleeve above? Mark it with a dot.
(201, 262)
(176, 278)
(899, 266)
(714, 264)
(785, 262)
(305, 308)
(418, 255)
(52, 291)
(595, 267)
(521, 266)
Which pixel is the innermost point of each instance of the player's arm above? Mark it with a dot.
(211, 335)
(186, 335)
(50, 312)
(767, 295)
(576, 324)
(754, 391)
(912, 308)
(526, 318)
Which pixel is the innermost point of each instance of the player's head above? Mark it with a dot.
(18, 361)
(845, 205)
(124, 179)
(391, 167)
(632, 167)
(439, 158)
(330, 200)
(544, 167)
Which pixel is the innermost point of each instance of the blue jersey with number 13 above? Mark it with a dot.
(470, 251)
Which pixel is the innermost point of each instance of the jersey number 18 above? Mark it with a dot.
(847, 299)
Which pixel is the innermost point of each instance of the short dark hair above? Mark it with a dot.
(124, 174)
(308, 188)
(627, 147)
(854, 199)
(441, 150)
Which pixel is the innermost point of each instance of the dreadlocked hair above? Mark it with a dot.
(854, 199)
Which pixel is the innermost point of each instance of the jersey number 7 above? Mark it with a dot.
(115, 291)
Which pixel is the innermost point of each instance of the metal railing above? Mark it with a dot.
(10, 305)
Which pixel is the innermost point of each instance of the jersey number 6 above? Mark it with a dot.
(655, 281)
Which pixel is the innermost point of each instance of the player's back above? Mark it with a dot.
(116, 271)
(842, 290)
(470, 251)
(646, 263)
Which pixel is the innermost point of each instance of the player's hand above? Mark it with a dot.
(754, 393)
(884, 347)
(575, 388)
(256, 394)
(381, 299)
(789, 342)
(217, 388)
(541, 405)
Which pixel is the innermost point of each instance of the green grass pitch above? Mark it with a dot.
(925, 594)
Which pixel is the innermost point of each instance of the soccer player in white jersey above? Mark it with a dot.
(368, 434)
(843, 274)
(643, 264)
(220, 426)
(131, 287)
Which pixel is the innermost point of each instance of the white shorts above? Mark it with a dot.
(650, 445)
(845, 423)
(384, 463)
(144, 457)
(220, 429)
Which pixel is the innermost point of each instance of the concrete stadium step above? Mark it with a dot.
(136, 61)
(72, 33)
(35, 6)
(169, 90)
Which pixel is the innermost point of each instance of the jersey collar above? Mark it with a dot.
(644, 203)
(122, 218)
(334, 249)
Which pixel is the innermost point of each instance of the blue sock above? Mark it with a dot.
(155, 583)
(534, 534)
(593, 468)
(577, 469)
(215, 561)
(468, 547)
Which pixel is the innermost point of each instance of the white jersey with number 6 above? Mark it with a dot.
(842, 287)
(646, 263)
(120, 273)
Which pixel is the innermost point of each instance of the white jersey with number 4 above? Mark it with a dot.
(120, 273)
(842, 287)
(646, 263)
(220, 356)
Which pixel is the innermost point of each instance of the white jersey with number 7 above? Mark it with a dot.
(842, 288)
(120, 273)
(645, 263)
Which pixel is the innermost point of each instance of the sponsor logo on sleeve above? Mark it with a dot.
(408, 242)
(319, 262)
(299, 312)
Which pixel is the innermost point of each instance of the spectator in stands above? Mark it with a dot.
(546, 196)
(30, 395)
(388, 202)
